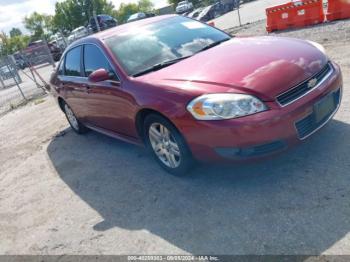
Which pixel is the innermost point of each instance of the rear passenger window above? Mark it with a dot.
(94, 59)
(72, 64)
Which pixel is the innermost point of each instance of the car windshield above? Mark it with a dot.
(170, 39)
(204, 12)
(181, 3)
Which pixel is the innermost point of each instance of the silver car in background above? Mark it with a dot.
(184, 6)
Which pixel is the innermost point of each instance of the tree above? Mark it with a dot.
(145, 6)
(126, 10)
(4, 44)
(9, 45)
(38, 24)
(15, 32)
(71, 14)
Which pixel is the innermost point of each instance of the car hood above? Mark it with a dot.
(263, 66)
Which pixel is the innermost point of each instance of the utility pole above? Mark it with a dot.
(238, 13)
(96, 21)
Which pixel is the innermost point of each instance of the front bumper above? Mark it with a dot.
(264, 133)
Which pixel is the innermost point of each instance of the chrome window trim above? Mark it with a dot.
(82, 54)
(309, 91)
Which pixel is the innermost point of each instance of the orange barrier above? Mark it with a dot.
(338, 9)
(294, 14)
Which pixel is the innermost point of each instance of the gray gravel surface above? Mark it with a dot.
(61, 193)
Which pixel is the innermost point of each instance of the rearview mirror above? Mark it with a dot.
(99, 75)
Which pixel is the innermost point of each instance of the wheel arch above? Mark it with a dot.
(141, 116)
(61, 103)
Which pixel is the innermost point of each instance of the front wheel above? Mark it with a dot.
(167, 145)
(73, 121)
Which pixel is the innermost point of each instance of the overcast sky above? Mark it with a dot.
(12, 12)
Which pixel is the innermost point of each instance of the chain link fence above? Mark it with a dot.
(24, 75)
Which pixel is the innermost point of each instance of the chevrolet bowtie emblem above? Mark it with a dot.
(312, 83)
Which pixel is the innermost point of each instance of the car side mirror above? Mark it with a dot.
(99, 75)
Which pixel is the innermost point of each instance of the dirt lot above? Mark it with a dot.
(61, 193)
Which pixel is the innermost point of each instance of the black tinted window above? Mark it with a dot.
(72, 64)
(94, 59)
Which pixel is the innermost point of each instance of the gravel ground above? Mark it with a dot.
(61, 193)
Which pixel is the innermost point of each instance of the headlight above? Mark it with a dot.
(318, 46)
(224, 106)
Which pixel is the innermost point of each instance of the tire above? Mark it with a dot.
(73, 121)
(167, 146)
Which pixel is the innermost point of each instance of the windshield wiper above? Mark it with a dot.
(213, 44)
(170, 62)
(160, 66)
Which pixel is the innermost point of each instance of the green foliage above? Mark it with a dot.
(71, 14)
(126, 10)
(39, 25)
(145, 6)
(15, 32)
(10, 45)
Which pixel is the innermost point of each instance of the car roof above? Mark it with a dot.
(127, 27)
(136, 15)
(78, 28)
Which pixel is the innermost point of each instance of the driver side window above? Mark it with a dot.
(94, 59)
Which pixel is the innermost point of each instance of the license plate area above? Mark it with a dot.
(323, 108)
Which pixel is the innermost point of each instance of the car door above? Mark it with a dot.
(72, 82)
(109, 106)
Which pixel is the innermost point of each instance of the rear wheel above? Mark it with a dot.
(73, 120)
(167, 145)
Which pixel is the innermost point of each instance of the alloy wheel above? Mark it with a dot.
(164, 145)
(71, 117)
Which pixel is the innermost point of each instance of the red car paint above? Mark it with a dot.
(261, 66)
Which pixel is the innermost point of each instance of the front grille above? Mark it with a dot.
(303, 88)
(308, 125)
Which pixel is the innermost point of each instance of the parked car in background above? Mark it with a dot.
(139, 16)
(6, 73)
(104, 22)
(79, 32)
(59, 40)
(210, 12)
(20, 60)
(200, 95)
(229, 5)
(56, 52)
(194, 14)
(184, 6)
(37, 52)
(71, 38)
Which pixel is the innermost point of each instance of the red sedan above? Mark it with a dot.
(189, 91)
